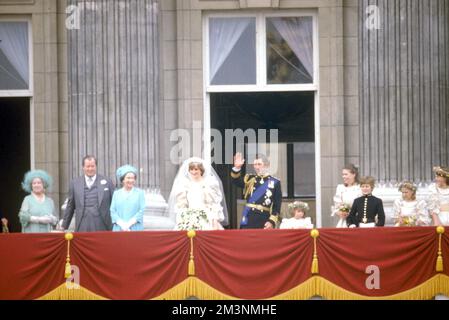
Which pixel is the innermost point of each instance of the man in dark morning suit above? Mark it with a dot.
(89, 199)
(262, 192)
(366, 210)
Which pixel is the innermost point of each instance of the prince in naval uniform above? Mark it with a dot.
(261, 191)
(366, 211)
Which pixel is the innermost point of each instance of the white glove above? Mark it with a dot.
(45, 220)
(122, 224)
(131, 222)
(34, 219)
(352, 226)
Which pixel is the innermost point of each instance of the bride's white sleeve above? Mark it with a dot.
(181, 200)
(213, 198)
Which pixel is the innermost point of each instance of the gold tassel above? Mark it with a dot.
(315, 234)
(191, 271)
(439, 265)
(191, 267)
(68, 267)
(315, 269)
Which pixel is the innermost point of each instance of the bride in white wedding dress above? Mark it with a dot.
(197, 197)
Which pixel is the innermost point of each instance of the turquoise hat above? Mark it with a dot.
(33, 174)
(123, 170)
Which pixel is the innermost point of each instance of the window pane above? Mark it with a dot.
(304, 169)
(14, 66)
(232, 51)
(289, 50)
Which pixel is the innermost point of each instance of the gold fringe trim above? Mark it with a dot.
(315, 286)
(318, 286)
(64, 293)
(194, 287)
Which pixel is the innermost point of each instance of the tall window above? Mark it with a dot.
(261, 52)
(14, 56)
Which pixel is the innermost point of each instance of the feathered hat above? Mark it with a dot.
(47, 181)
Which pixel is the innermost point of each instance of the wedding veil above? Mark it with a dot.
(183, 177)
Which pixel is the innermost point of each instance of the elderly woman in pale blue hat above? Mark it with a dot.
(37, 213)
(128, 203)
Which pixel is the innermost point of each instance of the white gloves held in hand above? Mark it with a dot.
(41, 220)
(126, 225)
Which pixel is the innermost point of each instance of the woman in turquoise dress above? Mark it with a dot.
(128, 203)
(37, 213)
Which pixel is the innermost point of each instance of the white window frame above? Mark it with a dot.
(28, 92)
(261, 57)
(261, 75)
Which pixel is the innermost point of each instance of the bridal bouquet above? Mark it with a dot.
(192, 219)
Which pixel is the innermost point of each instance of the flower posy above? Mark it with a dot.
(344, 208)
(192, 219)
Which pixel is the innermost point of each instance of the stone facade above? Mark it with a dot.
(49, 99)
(338, 84)
(181, 83)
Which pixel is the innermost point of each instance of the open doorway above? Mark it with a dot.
(292, 114)
(14, 155)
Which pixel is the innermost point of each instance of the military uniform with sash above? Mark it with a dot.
(263, 195)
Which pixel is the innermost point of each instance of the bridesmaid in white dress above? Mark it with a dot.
(197, 197)
(407, 211)
(345, 194)
(297, 211)
(438, 203)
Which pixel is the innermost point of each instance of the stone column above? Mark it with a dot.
(404, 88)
(114, 87)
